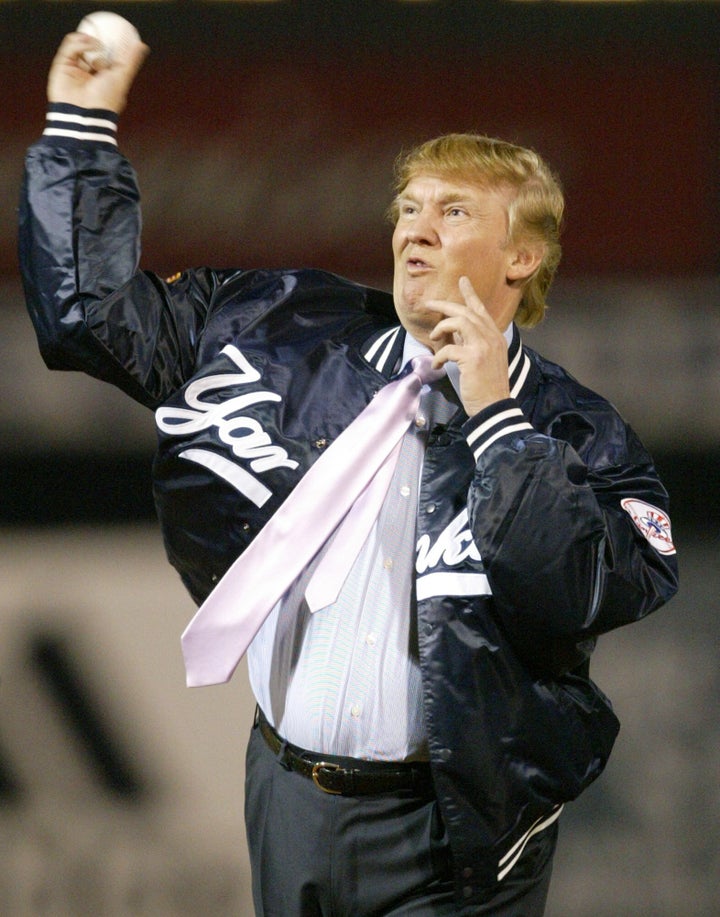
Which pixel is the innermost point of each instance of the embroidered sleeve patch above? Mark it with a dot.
(652, 522)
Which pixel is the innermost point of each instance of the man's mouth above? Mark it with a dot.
(416, 265)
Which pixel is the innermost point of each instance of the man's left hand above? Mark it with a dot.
(468, 336)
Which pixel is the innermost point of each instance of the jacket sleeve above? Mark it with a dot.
(79, 250)
(573, 546)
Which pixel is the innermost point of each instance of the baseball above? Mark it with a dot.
(115, 33)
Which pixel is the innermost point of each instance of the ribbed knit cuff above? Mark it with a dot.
(502, 419)
(71, 125)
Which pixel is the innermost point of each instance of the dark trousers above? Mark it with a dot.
(319, 855)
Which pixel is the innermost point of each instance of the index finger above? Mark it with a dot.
(470, 296)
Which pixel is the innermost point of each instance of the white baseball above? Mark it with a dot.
(115, 33)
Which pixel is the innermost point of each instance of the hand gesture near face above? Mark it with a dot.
(468, 336)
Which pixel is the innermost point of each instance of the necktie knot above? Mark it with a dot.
(422, 365)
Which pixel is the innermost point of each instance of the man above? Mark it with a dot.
(417, 737)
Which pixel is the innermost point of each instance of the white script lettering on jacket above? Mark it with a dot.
(451, 548)
(245, 435)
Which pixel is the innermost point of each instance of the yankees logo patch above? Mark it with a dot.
(652, 522)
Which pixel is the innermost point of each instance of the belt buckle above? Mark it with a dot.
(317, 772)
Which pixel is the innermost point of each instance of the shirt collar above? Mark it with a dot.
(393, 347)
(414, 348)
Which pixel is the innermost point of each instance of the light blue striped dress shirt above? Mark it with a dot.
(346, 679)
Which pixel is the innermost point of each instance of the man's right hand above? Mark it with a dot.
(72, 82)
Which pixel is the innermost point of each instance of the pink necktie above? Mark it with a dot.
(217, 637)
(332, 571)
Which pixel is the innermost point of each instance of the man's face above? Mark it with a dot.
(446, 230)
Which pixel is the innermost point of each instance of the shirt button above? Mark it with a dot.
(388, 563)
(404, 491)
(355, 710)
(420, 421)
(430, 508)
(371, 639)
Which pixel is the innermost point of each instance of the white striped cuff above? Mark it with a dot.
(69, 123)
(506, 418)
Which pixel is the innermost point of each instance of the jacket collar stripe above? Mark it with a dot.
(518, 364)
(515, 354)
(381, 348)
(518, 381)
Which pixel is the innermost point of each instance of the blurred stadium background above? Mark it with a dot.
(264, 133)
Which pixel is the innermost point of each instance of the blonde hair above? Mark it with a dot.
(535, 212)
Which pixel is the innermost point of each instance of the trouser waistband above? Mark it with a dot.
(348, 776)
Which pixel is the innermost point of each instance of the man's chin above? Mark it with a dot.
(419, 322)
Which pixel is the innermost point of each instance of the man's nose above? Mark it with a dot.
(422, 230)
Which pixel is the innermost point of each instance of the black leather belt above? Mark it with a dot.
(349, 776)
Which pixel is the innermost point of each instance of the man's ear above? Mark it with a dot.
(525, 261)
